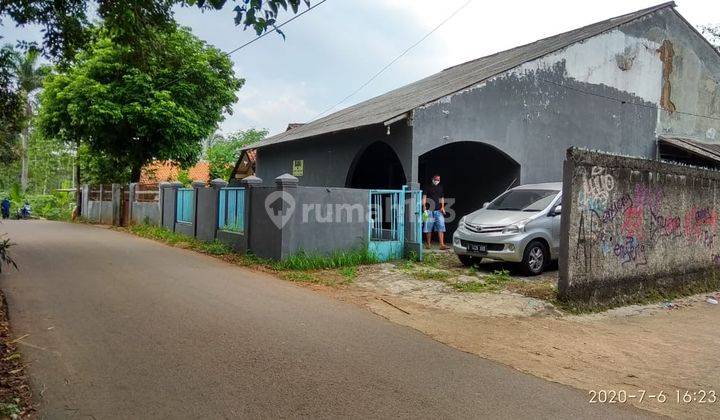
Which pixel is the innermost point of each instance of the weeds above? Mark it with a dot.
(177, 239)
(349, 273)
(5, 258)
(339, 259)
(490, 283)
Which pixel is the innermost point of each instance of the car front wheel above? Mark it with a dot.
(535, 258)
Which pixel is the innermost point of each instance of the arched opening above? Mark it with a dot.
(471, 173)
(376, 167)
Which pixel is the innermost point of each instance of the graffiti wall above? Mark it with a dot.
(632, 225)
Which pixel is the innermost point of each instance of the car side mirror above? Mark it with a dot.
(485, 204)
(557, 211)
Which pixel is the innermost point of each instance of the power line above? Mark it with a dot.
(376, 75)
(274, 29)
(622, 101)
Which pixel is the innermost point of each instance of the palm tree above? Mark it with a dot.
(30, 78)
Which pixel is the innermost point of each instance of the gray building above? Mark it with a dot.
(642, 84)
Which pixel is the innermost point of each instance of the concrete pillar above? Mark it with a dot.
(132, 189)
(196, 185)
(85, 192)
(117, 201)
(169, 204)
(250, 184)
(288, 185)
(216, 185)
(161, 199)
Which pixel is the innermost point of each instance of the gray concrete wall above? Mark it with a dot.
(326, 220)
(329, 158)
(168, 202)
(185, 228)
(534, 113)
(264, 237)
(235, 240)
(692, 80)
(146, 212)
(205, 215)
(99, 212)
(632, 225)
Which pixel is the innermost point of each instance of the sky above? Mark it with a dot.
(332, 50)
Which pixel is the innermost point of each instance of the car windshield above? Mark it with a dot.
(523, 200)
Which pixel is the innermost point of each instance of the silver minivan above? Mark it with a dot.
(522, 226)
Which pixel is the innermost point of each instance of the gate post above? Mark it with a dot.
(132, 188)
(287, 185)
(250, 183)
(217, 185)
(117, 199)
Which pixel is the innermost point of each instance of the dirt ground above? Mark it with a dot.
(15, 394)
(670, 346)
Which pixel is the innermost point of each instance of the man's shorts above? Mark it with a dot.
(435, 222)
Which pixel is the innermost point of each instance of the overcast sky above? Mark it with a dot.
(332, 50)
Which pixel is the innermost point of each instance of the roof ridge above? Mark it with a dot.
(640, 13)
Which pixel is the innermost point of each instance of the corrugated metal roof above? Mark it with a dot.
(709, 151)
(402, 100)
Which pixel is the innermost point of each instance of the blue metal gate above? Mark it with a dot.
(386, 223)
(231, 209)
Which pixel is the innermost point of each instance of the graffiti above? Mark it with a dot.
(661, 226)
(616, 208)
(624, 224)
(633, 222)
(700, 225)
(597, 188)
(630, 251)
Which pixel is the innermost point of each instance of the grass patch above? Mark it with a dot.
(338, 268)
(179, 240)
(339, 259)
(491, 283)
(349, 273)
(435, 274)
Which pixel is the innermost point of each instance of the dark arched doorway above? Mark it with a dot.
(472, 173)
(376, 167)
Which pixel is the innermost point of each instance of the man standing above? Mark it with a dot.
(434, 213)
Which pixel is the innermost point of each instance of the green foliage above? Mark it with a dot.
(5, 258)
(183, 177)
(67, 27)
(305, 261)
(12, 100)
(223, 153)
(131, 109)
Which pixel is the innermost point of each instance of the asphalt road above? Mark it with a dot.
(123, 327)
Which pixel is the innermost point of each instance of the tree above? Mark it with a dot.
(132, 110)
(712, 33)
(223, 153)
(11, 106)
(29, 78)
(67, 28)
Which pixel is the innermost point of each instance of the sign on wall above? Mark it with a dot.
(297, 167)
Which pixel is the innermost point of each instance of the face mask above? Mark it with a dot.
(435, 182)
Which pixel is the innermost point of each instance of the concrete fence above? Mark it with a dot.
(272, 222)
(631, 226)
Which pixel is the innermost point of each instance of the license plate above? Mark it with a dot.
(477, 248)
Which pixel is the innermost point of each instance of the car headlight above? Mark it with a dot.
(515, 228)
